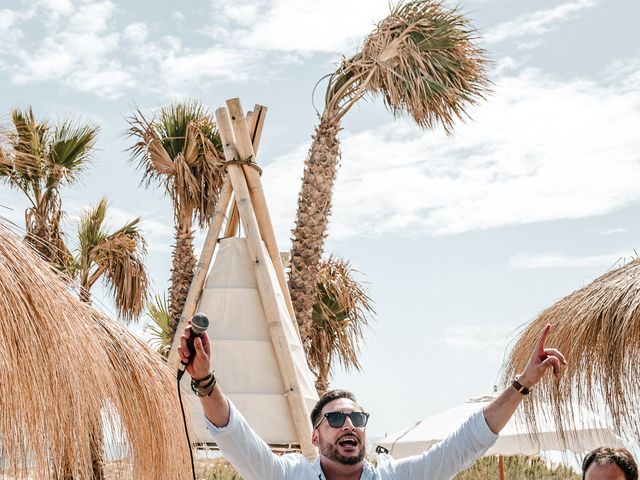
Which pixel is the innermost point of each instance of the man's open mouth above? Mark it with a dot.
(348, 441)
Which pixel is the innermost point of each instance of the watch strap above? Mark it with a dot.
(519, 387)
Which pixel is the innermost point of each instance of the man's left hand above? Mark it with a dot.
(541, 360)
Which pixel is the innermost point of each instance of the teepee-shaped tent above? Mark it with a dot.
(257, 354)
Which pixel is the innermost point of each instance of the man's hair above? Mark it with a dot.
(618, 456)
(330, 396)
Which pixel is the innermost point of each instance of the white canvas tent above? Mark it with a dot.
(257, 354)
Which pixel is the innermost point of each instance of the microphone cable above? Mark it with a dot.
(184, 420)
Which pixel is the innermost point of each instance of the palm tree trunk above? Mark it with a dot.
(184, 262)
(314, 208)
(322, 380)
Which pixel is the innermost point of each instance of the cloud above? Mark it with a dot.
(613, 231)
(77, 48)
(560, 260)
(487, 338)
(539, 149)
(291, 25)
(537, 22)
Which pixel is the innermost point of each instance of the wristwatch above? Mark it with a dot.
(519, 387)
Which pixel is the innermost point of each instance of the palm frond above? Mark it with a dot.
(341, 312)
(422, 59)
(24, 152)
(117, 258)
(161, 334)
(180, 150)
(597, 328)
(70, 148)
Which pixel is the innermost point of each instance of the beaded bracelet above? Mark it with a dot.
(204, 386)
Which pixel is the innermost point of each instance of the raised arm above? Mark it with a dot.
(498, 412)
(215, 406)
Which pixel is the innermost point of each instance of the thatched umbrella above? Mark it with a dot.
(598, 329)
(66, 371)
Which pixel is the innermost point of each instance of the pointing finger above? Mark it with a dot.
(542, 339)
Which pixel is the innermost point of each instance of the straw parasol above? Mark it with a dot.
(598, 329)
(67, 371)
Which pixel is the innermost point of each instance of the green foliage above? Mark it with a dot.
(158, 328)
(219, 470)
(517, 468)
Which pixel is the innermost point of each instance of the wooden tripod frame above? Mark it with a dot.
(241, 138)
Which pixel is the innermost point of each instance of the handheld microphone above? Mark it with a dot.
(199, 325)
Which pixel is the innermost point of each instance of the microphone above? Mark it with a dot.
(199, 325)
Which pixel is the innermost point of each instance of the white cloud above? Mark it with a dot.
(539, 149)
(76, 51)
(61, 7)
(291, 25)
(488, 338)
(136, 32)
(178, 16)
(560, 260)
(537, 22)
(193, 67)
(613, 231)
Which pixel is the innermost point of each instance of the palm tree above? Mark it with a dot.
(38, 160)
(341, 311)
(179, 150)
(117, 257)
(422, 60)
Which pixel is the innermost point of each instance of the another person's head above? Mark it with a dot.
(340, 437)
(606, 463)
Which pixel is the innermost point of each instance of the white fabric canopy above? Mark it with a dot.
(589, 432)
(244, 359)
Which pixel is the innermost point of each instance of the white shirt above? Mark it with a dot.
(254, 460)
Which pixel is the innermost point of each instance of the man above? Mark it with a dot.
(609, 464)
(339, 429)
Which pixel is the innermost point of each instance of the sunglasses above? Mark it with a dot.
(337, 419)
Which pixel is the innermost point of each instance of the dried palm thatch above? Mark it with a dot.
(66, 371)
(340, 313)
(597, 328)
(422, 59)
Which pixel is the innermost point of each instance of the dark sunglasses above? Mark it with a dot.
(337, 419)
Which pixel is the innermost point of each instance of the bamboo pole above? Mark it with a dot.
(244, 142)
(232, 224)
(267, 289)
(254, 122)
(202, 267)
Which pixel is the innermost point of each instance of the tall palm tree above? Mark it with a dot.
(340, 312)
(179, 150)
(116, 257)
(423, 61)
(39, 159)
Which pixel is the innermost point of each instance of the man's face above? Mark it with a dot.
(606, 471)
(345, 444)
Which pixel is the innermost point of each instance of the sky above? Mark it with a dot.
(460, 240)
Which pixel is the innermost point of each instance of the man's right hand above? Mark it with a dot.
(199, 366)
